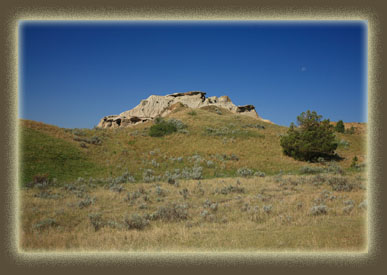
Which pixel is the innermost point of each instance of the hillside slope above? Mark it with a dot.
(215, 139)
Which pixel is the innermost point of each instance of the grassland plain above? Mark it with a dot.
(324, 212)
(222, 183)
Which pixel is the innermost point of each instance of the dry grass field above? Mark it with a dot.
(220, 184)
(324, 212)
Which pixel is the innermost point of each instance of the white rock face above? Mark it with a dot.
(155, 106)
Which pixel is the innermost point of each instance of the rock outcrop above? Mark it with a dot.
(156, 105)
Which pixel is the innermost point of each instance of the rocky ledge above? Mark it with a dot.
(156, 105)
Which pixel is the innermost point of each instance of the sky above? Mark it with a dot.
(72, 74)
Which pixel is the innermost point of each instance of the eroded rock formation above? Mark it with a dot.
(156, 105)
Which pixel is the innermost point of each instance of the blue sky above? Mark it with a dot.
(73, 74)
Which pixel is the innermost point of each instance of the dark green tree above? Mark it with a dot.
(340, 127)
(313, 138)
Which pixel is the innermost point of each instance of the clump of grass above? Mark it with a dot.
(245, 172)
(184, 193)
(44, 224)
(48, 195)
(172, 212)
(343, 143)
(311, 170)
(165, 127)
(148, 176)
(341, 184)
(160, 192)
(132, 196)
(348, 209)
(95, 140)
(213, 206)
(96, 220)
(257, 126)
(155, 163)
(86, 202)
(230, 189)
(40, 181)
(319, 210)
(267, 209)
(192, 113)
(135, 221)
(124, 178)
(259, 174)
(118, 188)
(349, 202)
(210, 163)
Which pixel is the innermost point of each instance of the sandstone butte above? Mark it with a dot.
(160, 106)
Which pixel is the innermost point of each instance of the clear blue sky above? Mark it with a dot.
(73, 74)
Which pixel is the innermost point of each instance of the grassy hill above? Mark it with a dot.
(95, 204)
(215, 139)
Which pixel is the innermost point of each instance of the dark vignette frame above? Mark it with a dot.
(15, 262)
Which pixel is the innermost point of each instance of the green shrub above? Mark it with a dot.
(340, 127)
(312, 139)
(165, 127)
(354, 163)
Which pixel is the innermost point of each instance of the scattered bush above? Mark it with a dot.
(132, 196)
(312, 139)
(230, 189)
(192, 113)
(174, 212)
(319, 210)
(311, 170)
(259, 174)
(257, 126)
(93, 140)
(197, 172)
(245, 172)
(48, 195)
(210, 163)
(162, 128)
(184, 193)
(86, 202)
(165, 127)
(160, 192)
(96, 220)
(40, 181)
(136, 222)
(44, 224)
(348, 202)
(341, 184)
(340, 127)
(147, 175)
(354, 163)
(177, 123)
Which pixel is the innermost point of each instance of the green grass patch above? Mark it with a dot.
(60, 159)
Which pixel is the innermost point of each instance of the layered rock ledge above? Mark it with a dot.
(156, 105)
